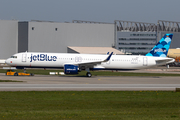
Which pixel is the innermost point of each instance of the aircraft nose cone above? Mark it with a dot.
(7, 61)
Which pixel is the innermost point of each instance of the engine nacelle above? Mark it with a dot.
(70, 69)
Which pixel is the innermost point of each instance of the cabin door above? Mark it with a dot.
(145, 59)
(24, 56)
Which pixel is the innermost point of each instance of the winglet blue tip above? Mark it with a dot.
(108, 58)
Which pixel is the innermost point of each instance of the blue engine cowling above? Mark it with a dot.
(70, 69)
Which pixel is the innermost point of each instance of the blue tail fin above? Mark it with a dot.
(162, 47)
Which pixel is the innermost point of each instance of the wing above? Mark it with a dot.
(91, 64)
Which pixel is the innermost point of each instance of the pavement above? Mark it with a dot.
(95, 83)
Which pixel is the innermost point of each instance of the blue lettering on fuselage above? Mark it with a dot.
(42, 57)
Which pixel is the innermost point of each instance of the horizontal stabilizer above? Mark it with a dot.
(165, 61)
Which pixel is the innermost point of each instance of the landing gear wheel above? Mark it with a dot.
(31, 74)
(16, 74)
(88, 74)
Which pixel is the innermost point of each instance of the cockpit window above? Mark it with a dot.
(13, 56)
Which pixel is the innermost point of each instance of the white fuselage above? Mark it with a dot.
(58, 60)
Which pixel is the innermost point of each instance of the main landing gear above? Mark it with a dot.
(88, 74)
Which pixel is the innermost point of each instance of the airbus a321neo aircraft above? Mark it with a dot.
(74, 63)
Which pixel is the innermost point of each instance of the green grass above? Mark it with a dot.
(94, 73)
(10, 81)
(92, 105)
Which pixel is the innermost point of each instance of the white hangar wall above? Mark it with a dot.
(55, 37)
(8, 38)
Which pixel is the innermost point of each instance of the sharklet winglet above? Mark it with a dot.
(108, 58)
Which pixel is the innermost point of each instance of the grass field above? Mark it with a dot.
(10, 81)
(95, 73)
(92, 105)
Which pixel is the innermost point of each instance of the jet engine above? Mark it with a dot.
(70, 69)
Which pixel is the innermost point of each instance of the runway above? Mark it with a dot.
(95, 83)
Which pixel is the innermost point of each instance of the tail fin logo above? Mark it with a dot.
(162, 47)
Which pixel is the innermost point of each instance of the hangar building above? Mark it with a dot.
(164, 27)
(8, 38)
(140, 38)
(55, 37)
(44, 36)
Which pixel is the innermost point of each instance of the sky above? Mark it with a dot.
(149, 11)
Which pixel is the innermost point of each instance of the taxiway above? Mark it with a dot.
(73, 83)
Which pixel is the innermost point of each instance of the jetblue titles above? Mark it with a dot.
(159, 50)
(42, 57)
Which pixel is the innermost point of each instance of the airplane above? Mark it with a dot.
(174, 53)
(74, 63)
